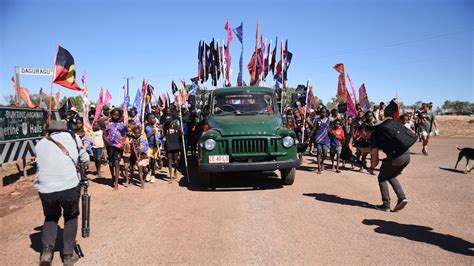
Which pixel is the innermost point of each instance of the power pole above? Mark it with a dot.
(128, 86)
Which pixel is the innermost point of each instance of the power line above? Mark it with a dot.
(393, 44)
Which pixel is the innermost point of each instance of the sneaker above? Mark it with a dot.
(382, 208)
(148, 177)
(46, 255)
(400, 205)
(152, 180)
(70, 259)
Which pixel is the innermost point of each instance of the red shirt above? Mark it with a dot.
(339, 133)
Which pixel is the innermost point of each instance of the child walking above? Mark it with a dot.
(321, 138)
(154, 141)
(116, 131)
(97, 146)
(337, 138)
(140, 148)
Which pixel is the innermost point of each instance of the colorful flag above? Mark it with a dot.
(273, 58)
(239, 32)
(255, 67)
(126, 103)
(364, 98)
(268, 59)
(353, 89)
(341, 84)
(65, 108)
(254, 74)
(65, 70)
(312, 102)
(25, 95)
(174, 88)
(108, 97)
(351, 108)
(227, 50)
(85, 104)
(282, 68)
(100, 105)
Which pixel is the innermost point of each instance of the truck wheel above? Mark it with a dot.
(288, 176)
(205, 179)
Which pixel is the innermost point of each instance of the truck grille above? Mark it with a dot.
(249, 146)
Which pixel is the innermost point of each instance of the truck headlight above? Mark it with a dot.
(288, 142)
(209, 144)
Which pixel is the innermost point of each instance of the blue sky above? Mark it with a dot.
(420, 50)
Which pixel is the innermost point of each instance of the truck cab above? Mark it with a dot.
(246, 133)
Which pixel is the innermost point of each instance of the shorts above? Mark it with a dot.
(114, 154)
(153, 153)
(97, 152)
(173, 158)
(322, 147)
(424, 134)
(336, 149)
(364, 149)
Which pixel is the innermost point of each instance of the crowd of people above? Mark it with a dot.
(130, 143)
(344, 139)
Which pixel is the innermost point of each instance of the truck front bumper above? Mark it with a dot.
(247, 166)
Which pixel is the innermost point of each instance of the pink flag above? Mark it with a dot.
(351, 109)
(227, 49)
(353, 89)
(100, 104)
(108, 97)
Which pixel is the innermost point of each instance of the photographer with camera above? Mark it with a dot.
(58, 157)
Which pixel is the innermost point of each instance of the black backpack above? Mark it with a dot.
(394, 138)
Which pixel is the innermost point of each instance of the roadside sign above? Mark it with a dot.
(36, 71)
(21, 123)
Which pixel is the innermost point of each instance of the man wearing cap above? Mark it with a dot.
(58, 188)
(392, 166)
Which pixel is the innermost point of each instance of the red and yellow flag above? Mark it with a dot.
(341, 84)
(65, 70)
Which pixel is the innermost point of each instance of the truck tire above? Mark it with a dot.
(205, 179)
(288, 176)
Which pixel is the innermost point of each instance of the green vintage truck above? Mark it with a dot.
(246, 133)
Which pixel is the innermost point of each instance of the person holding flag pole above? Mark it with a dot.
(182, 139)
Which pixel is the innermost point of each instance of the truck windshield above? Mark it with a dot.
(243, 103)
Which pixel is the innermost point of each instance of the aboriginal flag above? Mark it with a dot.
(65, 70)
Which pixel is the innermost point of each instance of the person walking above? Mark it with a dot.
(427, 121)
(394, 140)
(58, 188)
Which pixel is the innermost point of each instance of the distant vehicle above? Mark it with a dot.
(246, 134)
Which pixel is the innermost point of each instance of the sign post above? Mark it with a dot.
(17, 81)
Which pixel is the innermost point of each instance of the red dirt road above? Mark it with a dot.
(251, 219)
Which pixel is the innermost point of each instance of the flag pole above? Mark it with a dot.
(52, 84)
(184, 144)
(282, 79)
(305, 106)
(214, 67)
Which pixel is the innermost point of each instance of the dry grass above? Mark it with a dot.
(456, 126)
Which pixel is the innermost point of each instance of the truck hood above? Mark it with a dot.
(240, 125)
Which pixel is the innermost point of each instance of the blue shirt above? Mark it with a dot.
(56, 171)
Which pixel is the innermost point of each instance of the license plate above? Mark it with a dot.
(219, 159)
